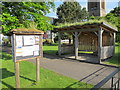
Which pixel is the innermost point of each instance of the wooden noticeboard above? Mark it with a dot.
(26, 45)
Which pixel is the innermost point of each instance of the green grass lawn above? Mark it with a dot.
(115, 59)
(50, 49)
(48, 79)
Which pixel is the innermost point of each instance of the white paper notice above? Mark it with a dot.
(36, 53)
(19, 52)
(28, 51)
(19, 42)
(29, 40)
(36, 47)
(36, 50)
(37, 39)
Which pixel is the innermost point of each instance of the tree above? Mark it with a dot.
(19, 14)
(70, 12)
(8, 22)
(114, 17)
(116, 11)
(84, 13)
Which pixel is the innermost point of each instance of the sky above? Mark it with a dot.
(110, 5)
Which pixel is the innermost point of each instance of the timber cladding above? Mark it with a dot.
(107, 51)
(88, 41)
(67, 49)
(108, 39)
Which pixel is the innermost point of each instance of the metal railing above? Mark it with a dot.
(114, 85)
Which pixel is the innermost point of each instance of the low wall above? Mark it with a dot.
(67, 49)
(107, 51)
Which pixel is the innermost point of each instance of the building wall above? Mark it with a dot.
(97, 7)
(102, 7)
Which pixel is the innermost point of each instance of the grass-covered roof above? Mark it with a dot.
(26, 31)
(86, 23)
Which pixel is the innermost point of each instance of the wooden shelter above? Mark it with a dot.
(98, 38)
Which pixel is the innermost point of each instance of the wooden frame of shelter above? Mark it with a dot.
(24, 31)
(96, 37)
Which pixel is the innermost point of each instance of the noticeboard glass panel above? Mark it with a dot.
(27, 46)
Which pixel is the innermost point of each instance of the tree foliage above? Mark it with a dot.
(114, 17)
(20, 14)
(70, 12)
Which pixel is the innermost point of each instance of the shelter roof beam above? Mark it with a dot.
(81, 30)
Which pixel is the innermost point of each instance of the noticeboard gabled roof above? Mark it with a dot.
(26, 31)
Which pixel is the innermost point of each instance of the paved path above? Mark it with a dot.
(85, 72)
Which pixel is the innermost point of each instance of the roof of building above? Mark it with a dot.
(87, 24)
(26, 31)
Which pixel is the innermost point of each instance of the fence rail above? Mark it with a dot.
(111, 76)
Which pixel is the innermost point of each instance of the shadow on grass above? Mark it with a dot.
(6, 74)
(52, 52)
(9, 86)
(6, 56)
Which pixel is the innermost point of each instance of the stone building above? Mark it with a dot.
(97, 7)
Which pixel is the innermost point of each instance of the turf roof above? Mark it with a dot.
(24, 30)
(90, 22)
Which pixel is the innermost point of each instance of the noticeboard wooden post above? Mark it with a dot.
(26, 45)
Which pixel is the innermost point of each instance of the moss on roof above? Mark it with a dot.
(85, 23)
(24, 30)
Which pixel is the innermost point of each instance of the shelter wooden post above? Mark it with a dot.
(59, 43)
(100, 44)
(52, 37)
(114, 35)
(37, 69)
(76, 45)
